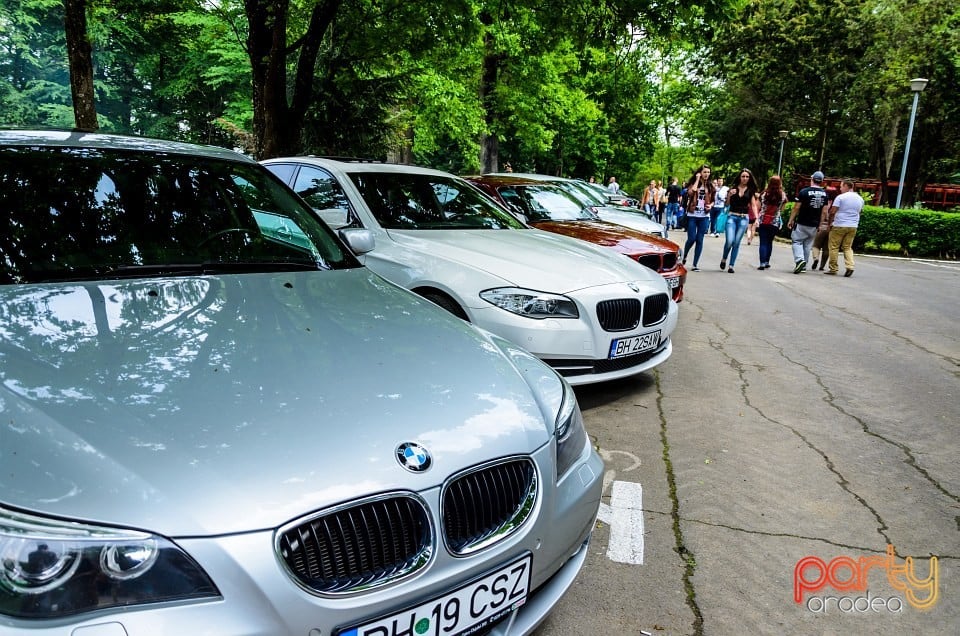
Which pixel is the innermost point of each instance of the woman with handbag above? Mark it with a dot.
(770, 220)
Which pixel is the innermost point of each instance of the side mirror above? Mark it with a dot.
(358, 240)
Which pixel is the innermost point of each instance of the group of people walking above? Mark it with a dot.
(747, 208)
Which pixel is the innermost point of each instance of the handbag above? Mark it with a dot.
(721, 221)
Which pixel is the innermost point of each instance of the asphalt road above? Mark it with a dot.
(799, 416)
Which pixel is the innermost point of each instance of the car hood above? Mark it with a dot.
(633, 220)
(610, 235)
(210, 405)
(526, 258)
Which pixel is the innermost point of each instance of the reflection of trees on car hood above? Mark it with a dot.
(141, 391)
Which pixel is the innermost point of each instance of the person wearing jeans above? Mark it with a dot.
(700, 193)
(742, 198)
(719, 204)
(673, 204)
(772, 201)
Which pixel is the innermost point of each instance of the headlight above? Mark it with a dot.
(531, 304)
(51, 568)
(571, 436)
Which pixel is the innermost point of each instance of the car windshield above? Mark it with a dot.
(90, 213)
(586, 194)
(412, 201)
(545, 202)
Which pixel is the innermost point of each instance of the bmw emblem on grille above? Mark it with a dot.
(413, 457)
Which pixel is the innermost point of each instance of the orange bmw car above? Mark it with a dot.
(548, 207)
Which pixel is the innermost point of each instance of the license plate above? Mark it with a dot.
(464, 611)
(673, 281)
(635, 344)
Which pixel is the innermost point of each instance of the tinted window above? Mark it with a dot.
(79, 213)
(284, 171)
(323, 193)
(544, 203)
(429, 202)
(319, 189)
(585, 194)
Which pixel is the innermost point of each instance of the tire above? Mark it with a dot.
(444, 301)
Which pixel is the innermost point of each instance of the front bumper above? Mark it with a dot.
(259, 599)
(578, 348)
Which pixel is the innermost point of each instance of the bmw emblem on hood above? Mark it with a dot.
(634, 287)
(413, 457)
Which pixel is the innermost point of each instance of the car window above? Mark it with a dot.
(284, 171)
(82, 213)
(429, 202)
(586, 195)
(323, 193)
(544, 202)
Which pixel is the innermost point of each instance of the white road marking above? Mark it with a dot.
(624, 515)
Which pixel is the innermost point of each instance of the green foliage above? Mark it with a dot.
(911, 232)
(835, 74)
(635, 89)
(917, 232)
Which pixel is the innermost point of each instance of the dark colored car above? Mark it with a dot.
(548, 207)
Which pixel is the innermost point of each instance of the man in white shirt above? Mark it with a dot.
(843, 217)
(613, 186)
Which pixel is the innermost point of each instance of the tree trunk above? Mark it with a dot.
(489, 142)
(277, 124)
(80, 58)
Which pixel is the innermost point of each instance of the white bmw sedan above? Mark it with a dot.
(592, 314)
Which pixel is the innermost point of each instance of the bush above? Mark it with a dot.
(908, 232)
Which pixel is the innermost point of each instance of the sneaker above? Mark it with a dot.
(696, 269)
(762, 267)
(801, 265)
(814, 264)
(729, 270)
(848, 273)
(723, 264)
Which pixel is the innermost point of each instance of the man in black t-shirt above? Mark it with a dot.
(804, 219)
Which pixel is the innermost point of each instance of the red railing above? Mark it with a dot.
(935, 196)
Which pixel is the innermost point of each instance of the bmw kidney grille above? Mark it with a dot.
(359, 547)
(374, 542)
(485, 505)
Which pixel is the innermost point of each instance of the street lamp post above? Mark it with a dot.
(783, 137)
(916, 85)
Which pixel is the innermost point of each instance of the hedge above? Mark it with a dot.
(908, 232)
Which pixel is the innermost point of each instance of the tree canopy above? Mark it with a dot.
(636, 89)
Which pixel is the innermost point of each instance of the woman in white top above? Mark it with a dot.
(699, 200)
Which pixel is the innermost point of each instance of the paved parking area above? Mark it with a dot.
(801, 418)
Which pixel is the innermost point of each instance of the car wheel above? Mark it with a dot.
(441, 299)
